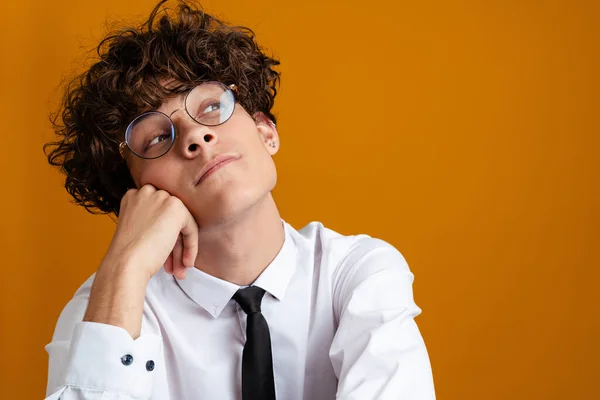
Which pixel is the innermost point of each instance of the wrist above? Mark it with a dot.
(117, 295)
(125, 268)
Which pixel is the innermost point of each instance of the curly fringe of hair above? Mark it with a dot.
(184, 45)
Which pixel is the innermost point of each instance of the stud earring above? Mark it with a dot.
(273, 144)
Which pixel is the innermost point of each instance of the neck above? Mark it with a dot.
(239, 249)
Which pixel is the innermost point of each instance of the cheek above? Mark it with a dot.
(155, 174)
(160, 178)
(241, 125)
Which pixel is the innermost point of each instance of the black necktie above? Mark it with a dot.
(257, 361)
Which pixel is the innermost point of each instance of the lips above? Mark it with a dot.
(215, 163)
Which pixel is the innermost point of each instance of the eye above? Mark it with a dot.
(212, 107)
(157, 139)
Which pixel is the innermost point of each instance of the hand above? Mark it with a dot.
(154, 229)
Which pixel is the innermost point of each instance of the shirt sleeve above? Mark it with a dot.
(378, 351)
(89, 360)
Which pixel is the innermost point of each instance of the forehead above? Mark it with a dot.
(190, 95)
(171, 95)
(172, 103)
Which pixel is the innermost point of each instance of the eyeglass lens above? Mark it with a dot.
(152, 134)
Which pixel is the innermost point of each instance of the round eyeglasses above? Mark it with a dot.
(152, 134)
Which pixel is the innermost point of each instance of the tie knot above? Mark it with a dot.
(249, 299)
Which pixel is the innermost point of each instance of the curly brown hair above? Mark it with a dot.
(184, 45)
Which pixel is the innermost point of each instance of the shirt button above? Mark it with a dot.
(127, 359)
(150, 365)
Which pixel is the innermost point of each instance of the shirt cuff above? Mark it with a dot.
(105, 357)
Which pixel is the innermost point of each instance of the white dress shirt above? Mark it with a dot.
(340, 311)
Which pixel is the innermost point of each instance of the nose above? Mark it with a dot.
(193, 138)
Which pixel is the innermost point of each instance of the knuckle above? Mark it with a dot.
(147, 189)
(162, 194)
(128, 194)
(173, 202)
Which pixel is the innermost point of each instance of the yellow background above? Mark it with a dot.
(463, 132)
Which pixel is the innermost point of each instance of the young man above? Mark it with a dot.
(205, 292)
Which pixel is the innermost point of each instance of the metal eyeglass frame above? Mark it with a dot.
(123, 145)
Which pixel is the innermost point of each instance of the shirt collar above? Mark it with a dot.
(213, 294)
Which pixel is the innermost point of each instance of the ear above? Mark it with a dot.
(268, 132)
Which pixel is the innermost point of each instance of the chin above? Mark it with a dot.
(226, 206)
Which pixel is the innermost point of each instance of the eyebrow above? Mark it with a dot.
(179, 109)
(178, 90)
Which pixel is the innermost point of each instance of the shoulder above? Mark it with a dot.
(359, 266)
(342, 254)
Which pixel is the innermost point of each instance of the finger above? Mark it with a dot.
(179, 269)
(177, 256)
(189, 233)
(169, 264)
(147, 188)
(180, 272)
